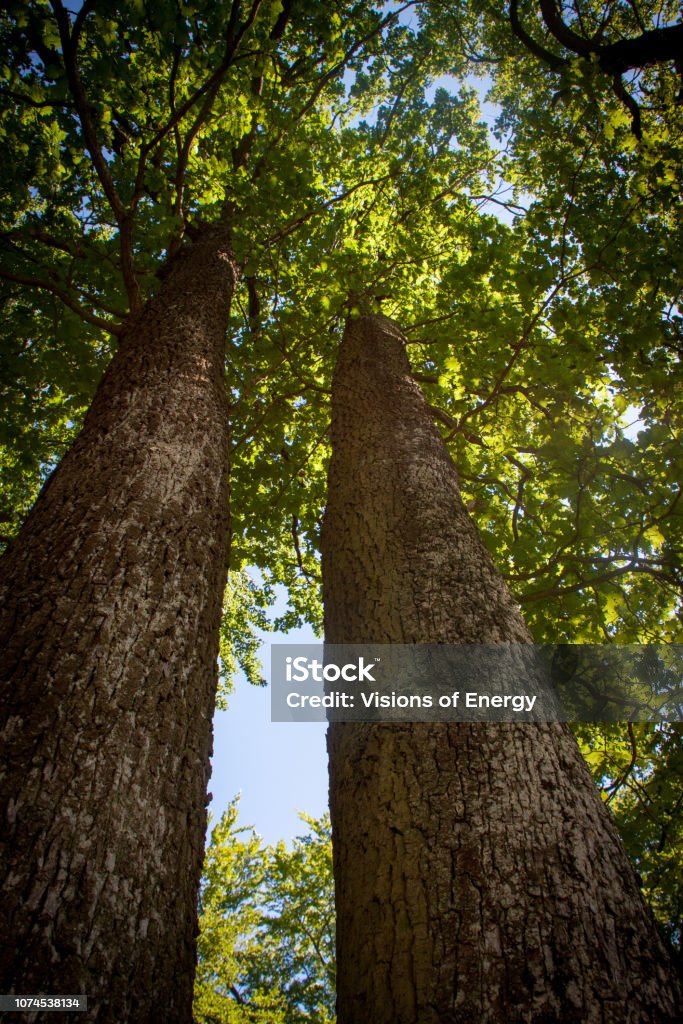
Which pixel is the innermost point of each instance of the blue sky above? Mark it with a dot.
(279, 768)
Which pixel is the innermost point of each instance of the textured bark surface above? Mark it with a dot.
(111, 600)
(479, 877)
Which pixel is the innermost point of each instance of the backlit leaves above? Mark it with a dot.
(266, 943)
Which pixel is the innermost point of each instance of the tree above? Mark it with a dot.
(266, 945)
(106, 719)
(112, 590)
(478, 875)
(225, 128)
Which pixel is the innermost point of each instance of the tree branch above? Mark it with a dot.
(619, 782)
(297, 547)
(37, 104)
(539, 51)
(69, 42)
(656, 46)
(83, 107)
(561, 31)
(45, 238)
(541, 595)
(622, 93)
(68, 300)
(651, 46)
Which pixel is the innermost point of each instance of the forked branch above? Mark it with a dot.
(649, 47)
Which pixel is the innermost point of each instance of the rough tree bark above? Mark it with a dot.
(479, 877)
(111, 600)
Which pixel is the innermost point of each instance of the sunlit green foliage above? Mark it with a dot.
(266, 944)
(549, 344)
(595, 488)
(244, 616)
(639, 770)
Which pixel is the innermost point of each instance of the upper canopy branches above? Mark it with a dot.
(614, 36)
(346, 146)
(133, 122)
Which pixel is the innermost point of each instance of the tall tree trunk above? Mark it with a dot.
(479, 877)
(111, 601)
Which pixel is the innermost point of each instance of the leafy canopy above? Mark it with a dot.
(266, 943)
(346, 150)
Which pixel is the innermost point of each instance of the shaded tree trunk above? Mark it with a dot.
(111, 602)
(479, 878)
